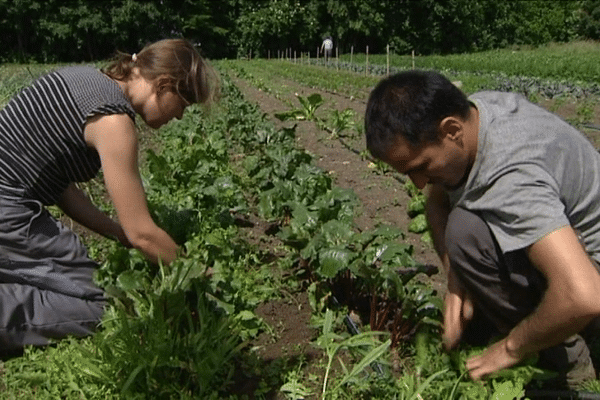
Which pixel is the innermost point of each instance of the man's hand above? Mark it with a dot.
(458, 311)
(569, 303)
(493, 359)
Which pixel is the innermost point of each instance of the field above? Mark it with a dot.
(309, 272)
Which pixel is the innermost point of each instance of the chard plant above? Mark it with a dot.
(310, 105)
(341, 121)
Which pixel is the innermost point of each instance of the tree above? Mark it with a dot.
(357, 23)
(74, 32)
(273, 25)
(209, 24)
(589, 19)
(16, 25)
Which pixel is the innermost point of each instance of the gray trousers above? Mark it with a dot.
(46, 286)
(506, 287)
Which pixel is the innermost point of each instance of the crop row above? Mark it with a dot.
(554, 70)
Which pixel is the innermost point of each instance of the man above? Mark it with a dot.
(514, 208)
(327, 47)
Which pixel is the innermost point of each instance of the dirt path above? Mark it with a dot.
(383, 196)
(383, 199)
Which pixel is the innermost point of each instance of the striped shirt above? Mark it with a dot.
(42, 147)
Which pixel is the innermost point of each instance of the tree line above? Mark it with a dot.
(88, 30)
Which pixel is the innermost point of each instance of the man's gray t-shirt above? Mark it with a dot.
(533, 174)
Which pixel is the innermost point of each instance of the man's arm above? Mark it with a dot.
(570, 302)
(437, 211)
(458, 307)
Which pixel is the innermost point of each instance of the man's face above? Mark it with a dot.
(444, 162)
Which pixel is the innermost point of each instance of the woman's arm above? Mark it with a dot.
(78, 207)
(114, 137)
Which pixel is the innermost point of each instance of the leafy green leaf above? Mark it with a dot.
(334, 260)
(418, 224)
(131, 280)
(416, 205)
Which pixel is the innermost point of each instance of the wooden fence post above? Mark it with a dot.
(351, 53)
(413, 59)
(388, 60)
(367, 62)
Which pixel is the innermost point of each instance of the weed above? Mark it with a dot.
(332, 343)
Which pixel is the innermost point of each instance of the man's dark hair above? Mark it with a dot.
(411, 104)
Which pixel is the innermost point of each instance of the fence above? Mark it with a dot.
(305, 57)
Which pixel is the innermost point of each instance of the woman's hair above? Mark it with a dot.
(411, 105)
(178, 62)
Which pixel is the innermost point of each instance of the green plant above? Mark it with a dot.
(341, 121)
(308, 110)
(333, 343)
(416, 210)
(293, 387)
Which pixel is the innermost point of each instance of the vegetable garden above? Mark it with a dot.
(308, 271)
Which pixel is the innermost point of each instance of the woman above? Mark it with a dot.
(61, 130)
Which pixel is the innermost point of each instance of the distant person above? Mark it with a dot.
(327, 48)
(59, 131)
(514, 209)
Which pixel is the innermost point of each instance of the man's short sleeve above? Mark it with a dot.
(522, 207)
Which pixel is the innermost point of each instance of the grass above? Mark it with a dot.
(579, 61)
(15, 77)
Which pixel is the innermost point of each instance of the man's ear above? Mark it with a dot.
(452, 128)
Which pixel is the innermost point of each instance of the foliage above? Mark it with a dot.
(164, 337)
(87, 30)
(263, 25)
(309, 107)
(590, 19)
(334, 343)
(341, 121)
